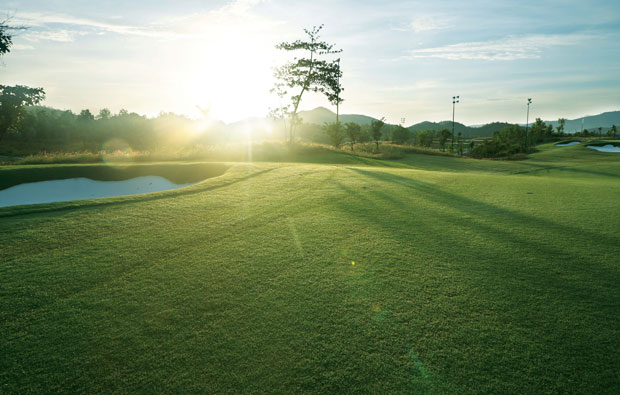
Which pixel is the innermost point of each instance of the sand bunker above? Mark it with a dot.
(605, 148)
(82, 188)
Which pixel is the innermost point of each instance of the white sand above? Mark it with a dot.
(605, 148)
(82, 188)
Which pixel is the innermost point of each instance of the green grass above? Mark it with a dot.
(469, 277)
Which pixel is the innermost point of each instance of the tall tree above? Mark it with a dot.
(354, 133)
(560, 127)
(444, 135)
(401, 135)
(335, 133)
(311, 73)
(375, 130)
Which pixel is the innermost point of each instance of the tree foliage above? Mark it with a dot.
(13, 99)
(335, 132)
(5, 38)
(310, 73)
(561, 124)
(375, 130)
(424, 138)
(444, 135)
(353, 132)
(401, 135)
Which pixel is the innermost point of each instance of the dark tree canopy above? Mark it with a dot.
(375, 130)
(5, 39)
(13, 99)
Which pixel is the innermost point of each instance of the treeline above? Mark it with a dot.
(52, 130)
(352, 133)
(47, 129)
(515, 139)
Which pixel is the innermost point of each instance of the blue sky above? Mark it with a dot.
(401, 59)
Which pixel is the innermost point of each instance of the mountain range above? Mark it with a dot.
(605, 120)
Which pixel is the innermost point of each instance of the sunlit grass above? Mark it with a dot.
(426, 274)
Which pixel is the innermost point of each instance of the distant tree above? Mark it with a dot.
(401, 135)
(613, 131)
(459, 144)
(308, 73)
(13, 99)
(375, 130)
(123, 112)
(335, 132)
(539, 132)
(424, 138)
(444, 135)
(506, 142)
(104, 114)
(560, 127)
(354, 133)
(86, 115)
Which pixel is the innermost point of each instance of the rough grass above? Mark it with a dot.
(469, 277)
(265, 151)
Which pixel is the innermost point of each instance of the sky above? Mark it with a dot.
(400, 59)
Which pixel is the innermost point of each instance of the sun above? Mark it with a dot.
(230, 73)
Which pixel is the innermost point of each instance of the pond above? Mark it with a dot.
(82, 188)
(568, 144)
(605, 148)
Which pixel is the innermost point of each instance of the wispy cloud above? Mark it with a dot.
(21, 47)
(42, 24)
(508, 48)
(62, 35)
(424, 24)
(418, 86)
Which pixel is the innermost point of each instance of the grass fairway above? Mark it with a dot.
(428, 274)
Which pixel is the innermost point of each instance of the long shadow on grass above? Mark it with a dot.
(539, 168)
(517, 289)
(62, 206)
(477, 208)
(536, 249)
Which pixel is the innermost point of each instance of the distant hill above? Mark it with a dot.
(320, 115)
(592, 122)
(467, 131)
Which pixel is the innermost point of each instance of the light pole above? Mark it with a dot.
(455, 100)
(338, 92)
(527, 121)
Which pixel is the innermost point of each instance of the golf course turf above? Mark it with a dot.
(427, 274)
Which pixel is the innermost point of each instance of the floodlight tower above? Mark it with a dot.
(527, 120)
(455, 100)
(338, 92)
